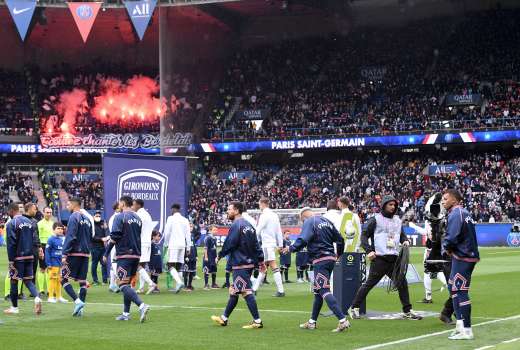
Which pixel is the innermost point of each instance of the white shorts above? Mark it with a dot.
(176, 255)
(146, 250)
(269, 254)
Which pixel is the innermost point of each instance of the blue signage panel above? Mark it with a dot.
(359, 141)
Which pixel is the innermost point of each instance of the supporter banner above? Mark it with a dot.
(158, 181)
(33, 148)
(360, 142)
(84, 14)
(436, 170)
(22, 12)
(130, 141)
(81, 177)
(235, 175)
(140, 13)
(253, 114)
(463, 100)
(373, 73)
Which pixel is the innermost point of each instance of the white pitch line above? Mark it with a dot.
(377, 346)
(504, 342)
(510, 341)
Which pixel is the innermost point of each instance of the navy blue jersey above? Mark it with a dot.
(242, 246)
(193, 250)
(79, 235)
(319, 235)
(156, 257)
(20, 238)
(210, 243)
(126, 232)
(461, 238)
(285, 259)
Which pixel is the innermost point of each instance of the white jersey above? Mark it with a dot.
(177, 233)
(269, 229)
(91, 219)
(111, 221)
(113, 251)
(147, 228)
(250, 219)
(335, 217)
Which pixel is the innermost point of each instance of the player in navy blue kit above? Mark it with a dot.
(126, 236)
(319, 235)
(76, 252)
(156, 259)
(209, 265)
(302, 265)
(285, 259)
(20, 233)
(244, 254)
(190, 266)
(460, 242)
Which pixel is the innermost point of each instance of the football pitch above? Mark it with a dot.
(182, 321)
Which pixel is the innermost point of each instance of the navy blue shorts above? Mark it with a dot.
(302, 259)
(190, 266)
(75, 268)
(322, 272)
(22, 270)
(155, 269)
(242, 281)
(285, 260)
(460, 277)
(208, 267)
(126, 269)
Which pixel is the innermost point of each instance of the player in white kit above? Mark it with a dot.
(177, 237)
(146, 246)
(269, 232)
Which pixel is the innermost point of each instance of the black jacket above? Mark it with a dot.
(100, 232)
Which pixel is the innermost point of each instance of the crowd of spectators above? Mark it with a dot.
(64, 78)
(90, 192)
(377, 80)
(489, 181)
(15, 182)
(15, 112)
(183, 97)
(373, 80)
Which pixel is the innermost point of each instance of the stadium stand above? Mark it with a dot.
(487, 180)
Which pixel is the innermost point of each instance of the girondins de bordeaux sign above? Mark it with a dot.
(131, 141)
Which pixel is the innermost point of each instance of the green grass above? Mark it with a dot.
(182, 321)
